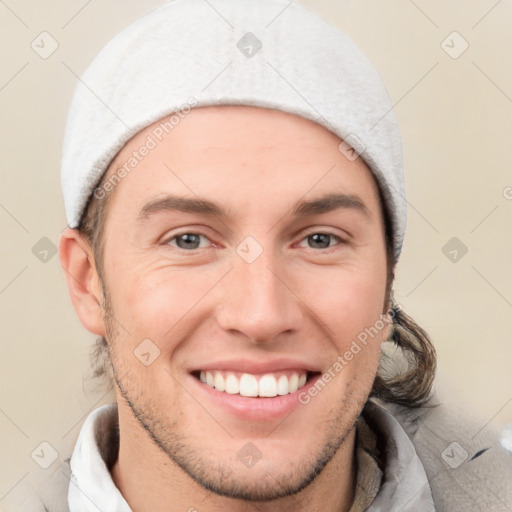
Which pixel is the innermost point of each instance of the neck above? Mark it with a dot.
(149, 480)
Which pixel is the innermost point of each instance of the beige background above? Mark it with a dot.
(456, 120)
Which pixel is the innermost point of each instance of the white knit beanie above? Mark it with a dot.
(264, 53)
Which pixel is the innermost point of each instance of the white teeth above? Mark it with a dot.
(232, 384)
(267, 386)
(282, 385)
(248, 385)
(293, 383)
(219, 381)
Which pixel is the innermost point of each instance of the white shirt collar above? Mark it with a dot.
(91, 483)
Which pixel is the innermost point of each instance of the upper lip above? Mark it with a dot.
(257, 367)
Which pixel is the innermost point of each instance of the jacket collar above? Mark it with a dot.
(404, 486)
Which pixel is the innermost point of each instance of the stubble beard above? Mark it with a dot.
(212, 474)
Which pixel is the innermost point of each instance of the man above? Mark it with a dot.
(234, 188)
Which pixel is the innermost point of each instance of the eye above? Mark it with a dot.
(191, 241)
(321, 240)
(187, 241)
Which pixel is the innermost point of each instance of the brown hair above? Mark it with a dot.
(410, 386)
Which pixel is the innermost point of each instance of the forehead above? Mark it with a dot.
(238, 154)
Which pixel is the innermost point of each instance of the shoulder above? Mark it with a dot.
(41, 490)
(467, 468)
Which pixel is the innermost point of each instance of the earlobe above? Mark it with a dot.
(84, 285)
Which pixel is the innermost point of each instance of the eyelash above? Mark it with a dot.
(341, 241)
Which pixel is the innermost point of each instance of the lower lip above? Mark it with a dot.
(255, 408)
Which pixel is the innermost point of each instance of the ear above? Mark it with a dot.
(84, 285)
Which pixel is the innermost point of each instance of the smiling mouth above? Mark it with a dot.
(266, 385)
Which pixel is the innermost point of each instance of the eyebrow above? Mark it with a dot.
(324, 204)
(329, 203)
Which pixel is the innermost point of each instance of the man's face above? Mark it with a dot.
(270, 288)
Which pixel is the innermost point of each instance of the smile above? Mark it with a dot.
(266, 385)
(254, 390)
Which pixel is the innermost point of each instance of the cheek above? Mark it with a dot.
(348, 304)
(154, 301)
(155, 310)
(348, 300)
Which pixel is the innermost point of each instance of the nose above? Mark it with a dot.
(257, 300)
